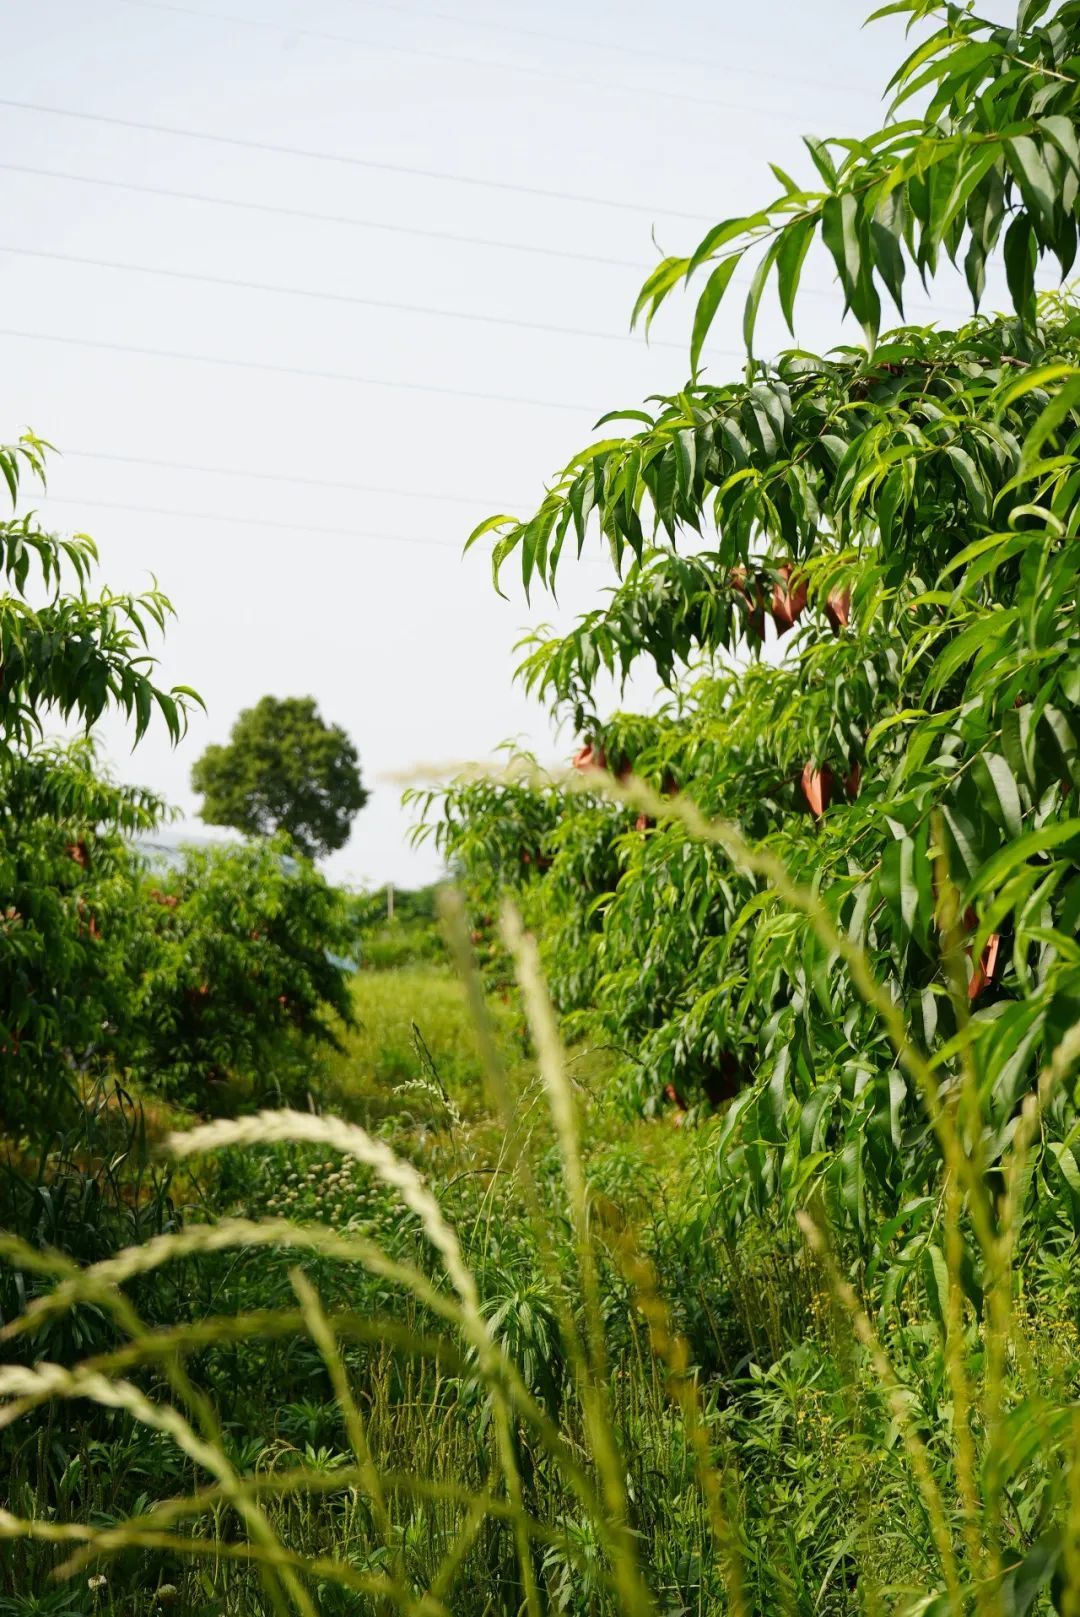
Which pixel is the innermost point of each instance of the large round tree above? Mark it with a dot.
(283, 769)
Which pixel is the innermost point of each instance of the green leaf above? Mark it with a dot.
(1062, 131)
(970, 477)
(1028, 13)
(753, 300)
(708, 303)
(935, 1277)
(888, 256)
(489, 525)
(898, 882)
(1020, 259)
(790, 185)
(685, 459)
(1023, 1582)
(845, 233)
(667, 274)
(1065, 1163)
(822, 161)
(1017, 853)
(1029, 168)
(999, 791)
(794, 243)
(853, 1182)
(839, 232)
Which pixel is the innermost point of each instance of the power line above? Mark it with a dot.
(611, 44)
(254, 522)
(242, 144)
(278, 290)
(276, 526)
(473, 500)
(312, 217)
(454, 58)
(290, 370)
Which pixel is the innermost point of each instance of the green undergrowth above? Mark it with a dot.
(755, 1431)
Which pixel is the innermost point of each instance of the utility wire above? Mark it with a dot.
(640, 266)
(474, 500)
(278, 290)
(254, 522)
(454, 58)
(241, 143)
(278, 527)
(291, 370)
(608, 45)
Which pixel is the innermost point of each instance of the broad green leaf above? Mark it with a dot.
(753, 299)
(819, 154)
(794, 243)
(1020, 258)
(708, 303)
(489, 525)
(999, 791)
(1029, 167)
(935, 1277)
(666, 275)
(1017, 853)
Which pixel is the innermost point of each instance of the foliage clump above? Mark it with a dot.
(283, 769)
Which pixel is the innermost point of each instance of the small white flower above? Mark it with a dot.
(98, 1581)
(167, 1593)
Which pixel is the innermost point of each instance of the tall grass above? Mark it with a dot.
(468, 1481)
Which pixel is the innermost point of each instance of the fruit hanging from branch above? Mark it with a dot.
(788, 598)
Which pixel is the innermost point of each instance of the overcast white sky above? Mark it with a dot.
(332, 565)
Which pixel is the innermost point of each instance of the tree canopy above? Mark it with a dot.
(903, 518)
(283, 769)
(65, 921)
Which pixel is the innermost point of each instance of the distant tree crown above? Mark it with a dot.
(283, 769)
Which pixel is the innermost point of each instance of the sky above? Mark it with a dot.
(304, 289)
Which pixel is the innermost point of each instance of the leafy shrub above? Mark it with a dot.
(64, 910)
(240, 978)
(905, 513)
(67, 925)
(560, 1451)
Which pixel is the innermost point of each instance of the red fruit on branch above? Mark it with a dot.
(817, 788)
(853, 779)
(672, 1094)
(788, 599)
(838, 608)
(986, 970)
(79, 853)
(752, 595)
(589, 757)
(642, 823)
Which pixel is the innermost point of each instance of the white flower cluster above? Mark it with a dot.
(318, 1193)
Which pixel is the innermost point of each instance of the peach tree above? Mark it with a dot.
(899, 518)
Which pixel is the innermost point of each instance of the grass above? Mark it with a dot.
(413, 1029)
(554, 1381)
